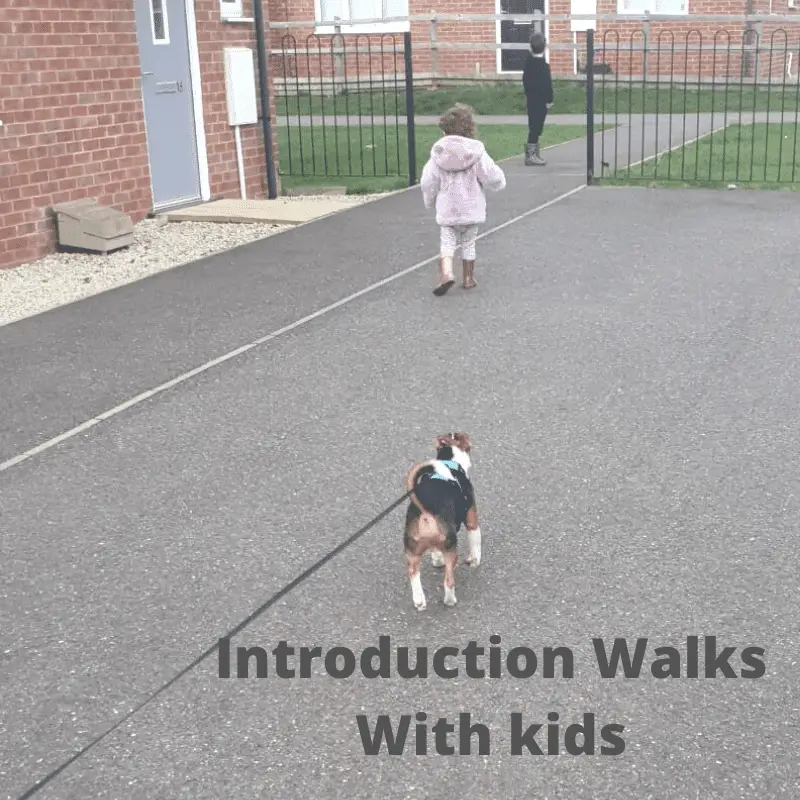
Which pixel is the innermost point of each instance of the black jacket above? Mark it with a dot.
(537, 80)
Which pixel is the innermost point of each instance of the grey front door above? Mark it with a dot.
(162, 33)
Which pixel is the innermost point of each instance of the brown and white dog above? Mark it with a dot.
(442, 500)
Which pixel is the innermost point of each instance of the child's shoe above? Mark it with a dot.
(446, 279)
(469, 269)
(536, 159)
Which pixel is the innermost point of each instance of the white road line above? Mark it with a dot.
(140, 398)
(383, 196)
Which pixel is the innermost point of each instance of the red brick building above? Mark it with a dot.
(123, 102)
(435, 58)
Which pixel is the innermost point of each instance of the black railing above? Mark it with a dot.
(343, 106)
(701, 107)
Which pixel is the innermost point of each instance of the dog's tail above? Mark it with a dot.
(411, 479)
(429, 529)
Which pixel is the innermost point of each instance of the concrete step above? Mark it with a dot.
(282, 211)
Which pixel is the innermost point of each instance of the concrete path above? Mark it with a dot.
(631, 385)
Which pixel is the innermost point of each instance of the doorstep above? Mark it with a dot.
(281, 211)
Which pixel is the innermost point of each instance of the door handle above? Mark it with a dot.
(145, 74)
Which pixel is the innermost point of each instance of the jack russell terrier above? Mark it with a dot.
(442, 500)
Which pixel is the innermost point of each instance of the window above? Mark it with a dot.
(666, 7)
(345, 10)
(158, 20)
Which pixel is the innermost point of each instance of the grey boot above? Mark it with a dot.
(536, 158)
(530, 153)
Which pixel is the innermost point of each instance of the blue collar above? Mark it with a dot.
(453, 466)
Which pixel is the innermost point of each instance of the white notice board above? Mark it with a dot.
(582, 7)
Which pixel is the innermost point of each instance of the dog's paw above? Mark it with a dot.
(437, 559)
(420, 604)
(474, 549)
(450, 598)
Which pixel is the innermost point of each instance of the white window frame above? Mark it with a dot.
(375, 27)
(165, 17)
(498, 37)
(663, 8)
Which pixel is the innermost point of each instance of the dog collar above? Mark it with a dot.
(452, 466)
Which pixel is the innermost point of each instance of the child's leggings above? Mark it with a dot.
(450, 239)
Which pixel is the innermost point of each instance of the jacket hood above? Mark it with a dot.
(457, 153)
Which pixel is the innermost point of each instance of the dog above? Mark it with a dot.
(442, 500)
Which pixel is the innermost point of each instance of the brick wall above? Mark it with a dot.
(72, 116)
(709, 50)
(458, 63)
(213, 36)
(304, 54)
(73, 121)
(561, 61)
(672, 49)
(296, 66)
(667, 54)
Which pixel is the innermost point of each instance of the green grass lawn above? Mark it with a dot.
(570, 98)
(756, 156)
(375, 159)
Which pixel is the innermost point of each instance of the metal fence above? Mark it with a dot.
(712, 107)
(345, 107)
(699, 99)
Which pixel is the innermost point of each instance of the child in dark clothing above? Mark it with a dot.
(538, 85)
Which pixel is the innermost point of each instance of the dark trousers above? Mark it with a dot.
(537, 113)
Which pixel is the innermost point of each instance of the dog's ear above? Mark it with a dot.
(463, 441)
(445, 440)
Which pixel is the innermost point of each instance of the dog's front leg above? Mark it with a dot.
(473, 538)
(450, 562)
(413, 563)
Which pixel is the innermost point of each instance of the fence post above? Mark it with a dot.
(338, 58)
(410, 129)
(434, 43)
(589, 106)
(757, 63)
(646, 53)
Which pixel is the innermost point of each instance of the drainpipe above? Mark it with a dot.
(263, 80)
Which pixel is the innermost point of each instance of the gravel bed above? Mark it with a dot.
(61, 278)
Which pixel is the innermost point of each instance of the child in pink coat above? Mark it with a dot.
(455, 179)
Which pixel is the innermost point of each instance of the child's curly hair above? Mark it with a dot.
(458, 121)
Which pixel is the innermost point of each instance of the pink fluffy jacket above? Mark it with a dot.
(455, 179)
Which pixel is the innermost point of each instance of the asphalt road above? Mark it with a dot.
(77, 361)
(73, 363)
(628, 370)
